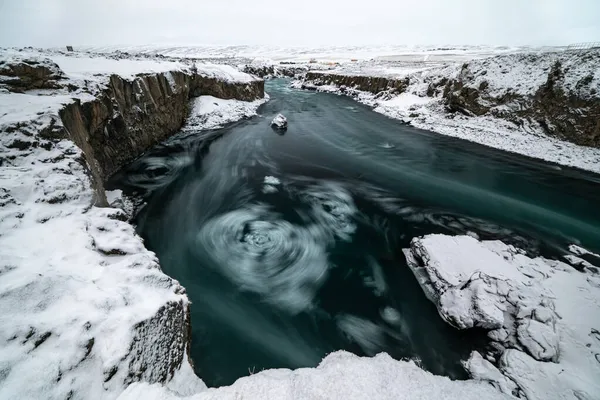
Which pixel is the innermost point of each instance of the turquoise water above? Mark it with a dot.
(283, 271)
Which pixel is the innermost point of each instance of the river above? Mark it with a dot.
(290, 245)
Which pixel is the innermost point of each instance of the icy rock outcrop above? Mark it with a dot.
(19, 74)
(364, 83)
(279, 122)
(539, 313)
(473, 286)
(340, 376)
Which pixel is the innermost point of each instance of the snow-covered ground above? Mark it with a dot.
(542, 315)
(507, 75)
(75, 280)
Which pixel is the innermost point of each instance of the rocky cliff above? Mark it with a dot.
(130, 116)
(371, 84)
(565, 103)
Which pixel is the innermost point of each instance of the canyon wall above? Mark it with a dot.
(131, 116)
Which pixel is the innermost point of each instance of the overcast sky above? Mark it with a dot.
(301, 22)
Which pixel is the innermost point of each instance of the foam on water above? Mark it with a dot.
(262, 253)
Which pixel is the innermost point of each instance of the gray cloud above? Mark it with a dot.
(307, 22)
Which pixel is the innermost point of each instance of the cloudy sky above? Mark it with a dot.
(301, 22)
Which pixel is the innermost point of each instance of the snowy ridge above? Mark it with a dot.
(304, 53)
(541, 315)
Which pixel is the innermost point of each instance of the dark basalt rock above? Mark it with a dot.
(27, 74)
(364, 83)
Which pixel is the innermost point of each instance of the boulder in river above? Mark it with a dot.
(279, 122)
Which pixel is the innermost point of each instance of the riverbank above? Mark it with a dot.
(541, 105)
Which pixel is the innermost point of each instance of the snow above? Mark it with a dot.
(580, 251)
(68, 303)
(81, 67)
(224, 72)
(279, 122)
(303, 54)
(209, 112)
(340, 375)
(84, 67)
(542, 314)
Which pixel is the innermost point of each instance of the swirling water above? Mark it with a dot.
(290, 246)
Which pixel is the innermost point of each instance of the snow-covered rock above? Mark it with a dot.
(340, 375)
(209, 112)
(541, 315)
(279, 122)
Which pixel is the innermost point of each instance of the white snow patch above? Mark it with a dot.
(209, 112)
(340, 375)
(224, 72)
(82, 67)
(580, 251)
(280, 121)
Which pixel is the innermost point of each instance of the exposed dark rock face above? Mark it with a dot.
(27, 74)
(129, 117)
(260, 70)
(363, 83)
(571, 115)
(126, 119)
(269, 71)
(157, 351)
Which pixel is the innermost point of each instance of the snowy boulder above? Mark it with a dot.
(487, 285)
(279, 122)
(25, 73)
(541, 314)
